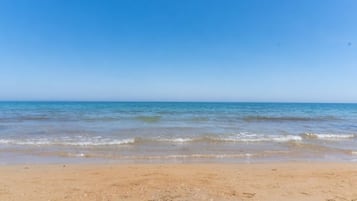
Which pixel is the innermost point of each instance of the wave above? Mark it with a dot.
(68, 143)
(328, 136)
(268, 138)
(162, 157)
(102, 143)
(238, 138)
(242, 137)
(192, 156)
(246, 155)
(287, 118)
(227, 139)
(131, 141)
(176, 140)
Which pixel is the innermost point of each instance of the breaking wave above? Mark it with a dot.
(44, 141)
(328, 136)
(238, 138)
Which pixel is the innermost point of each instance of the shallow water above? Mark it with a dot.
(180, 132)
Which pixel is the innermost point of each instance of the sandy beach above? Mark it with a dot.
(114, 182)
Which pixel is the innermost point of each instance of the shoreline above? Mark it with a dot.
(193, 181)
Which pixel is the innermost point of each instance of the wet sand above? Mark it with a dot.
(154, 182)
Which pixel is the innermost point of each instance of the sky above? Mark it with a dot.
(179, 50)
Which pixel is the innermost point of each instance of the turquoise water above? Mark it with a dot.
(180, 132)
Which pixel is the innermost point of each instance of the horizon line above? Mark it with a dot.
(175, 101)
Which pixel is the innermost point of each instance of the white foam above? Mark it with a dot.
(3, 141)
(188, 156)
(100, 143)
(176, 140)
(287, 138)
(24, 142)
(330, 136)
(335, 136)
(58, 142)
(267, 138)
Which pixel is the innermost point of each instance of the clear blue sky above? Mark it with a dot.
(193, 50)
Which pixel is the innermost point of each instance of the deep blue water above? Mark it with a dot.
(178, 130)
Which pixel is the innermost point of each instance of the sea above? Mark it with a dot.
(176, 132)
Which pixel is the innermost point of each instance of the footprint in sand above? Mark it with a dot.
(249, 195)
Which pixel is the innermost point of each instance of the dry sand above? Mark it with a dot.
(276, 181)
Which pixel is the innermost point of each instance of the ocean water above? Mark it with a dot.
(57, 132)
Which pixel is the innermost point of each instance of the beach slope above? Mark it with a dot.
(276, 181)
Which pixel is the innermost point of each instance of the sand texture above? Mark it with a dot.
(154, 182)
